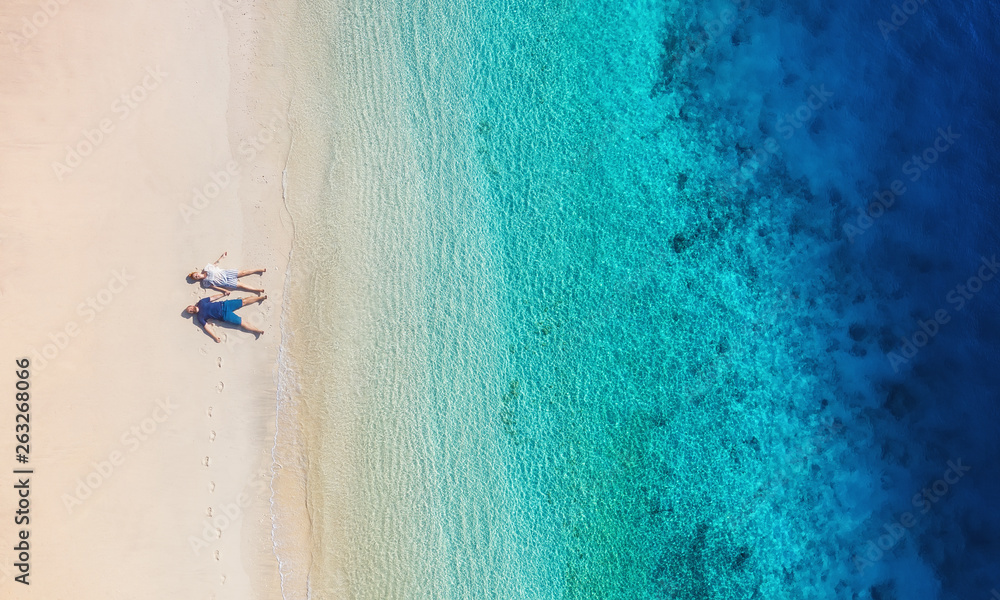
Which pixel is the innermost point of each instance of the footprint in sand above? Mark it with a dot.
(218, 533)
(211, 436)
(216, 555)
(206, 461)
(203, 350)
(218, 362)
(209, 511)
(220, 387)
(223, 580)
(211, 486)
(209, 411)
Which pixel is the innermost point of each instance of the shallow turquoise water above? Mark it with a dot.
(647, 399)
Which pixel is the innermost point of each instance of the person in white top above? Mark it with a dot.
(223, 280)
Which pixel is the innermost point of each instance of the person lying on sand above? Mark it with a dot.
(219, 279)
(225, 310)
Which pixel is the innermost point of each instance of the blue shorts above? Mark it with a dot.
(230, 315)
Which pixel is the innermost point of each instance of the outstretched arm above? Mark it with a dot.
(224, 291)
(221, 257)
(217, 296)
(211, 333)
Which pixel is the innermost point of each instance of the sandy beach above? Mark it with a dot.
(140, 142)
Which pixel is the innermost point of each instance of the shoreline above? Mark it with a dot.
(260, 138)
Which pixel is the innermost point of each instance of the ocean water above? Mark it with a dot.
(640, 300)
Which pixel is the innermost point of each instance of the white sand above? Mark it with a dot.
(129, 398)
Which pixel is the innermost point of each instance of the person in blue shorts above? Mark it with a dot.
(208, 308)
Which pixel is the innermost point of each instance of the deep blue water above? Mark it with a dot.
(893, 90)
(894, 93)
(935, 72)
